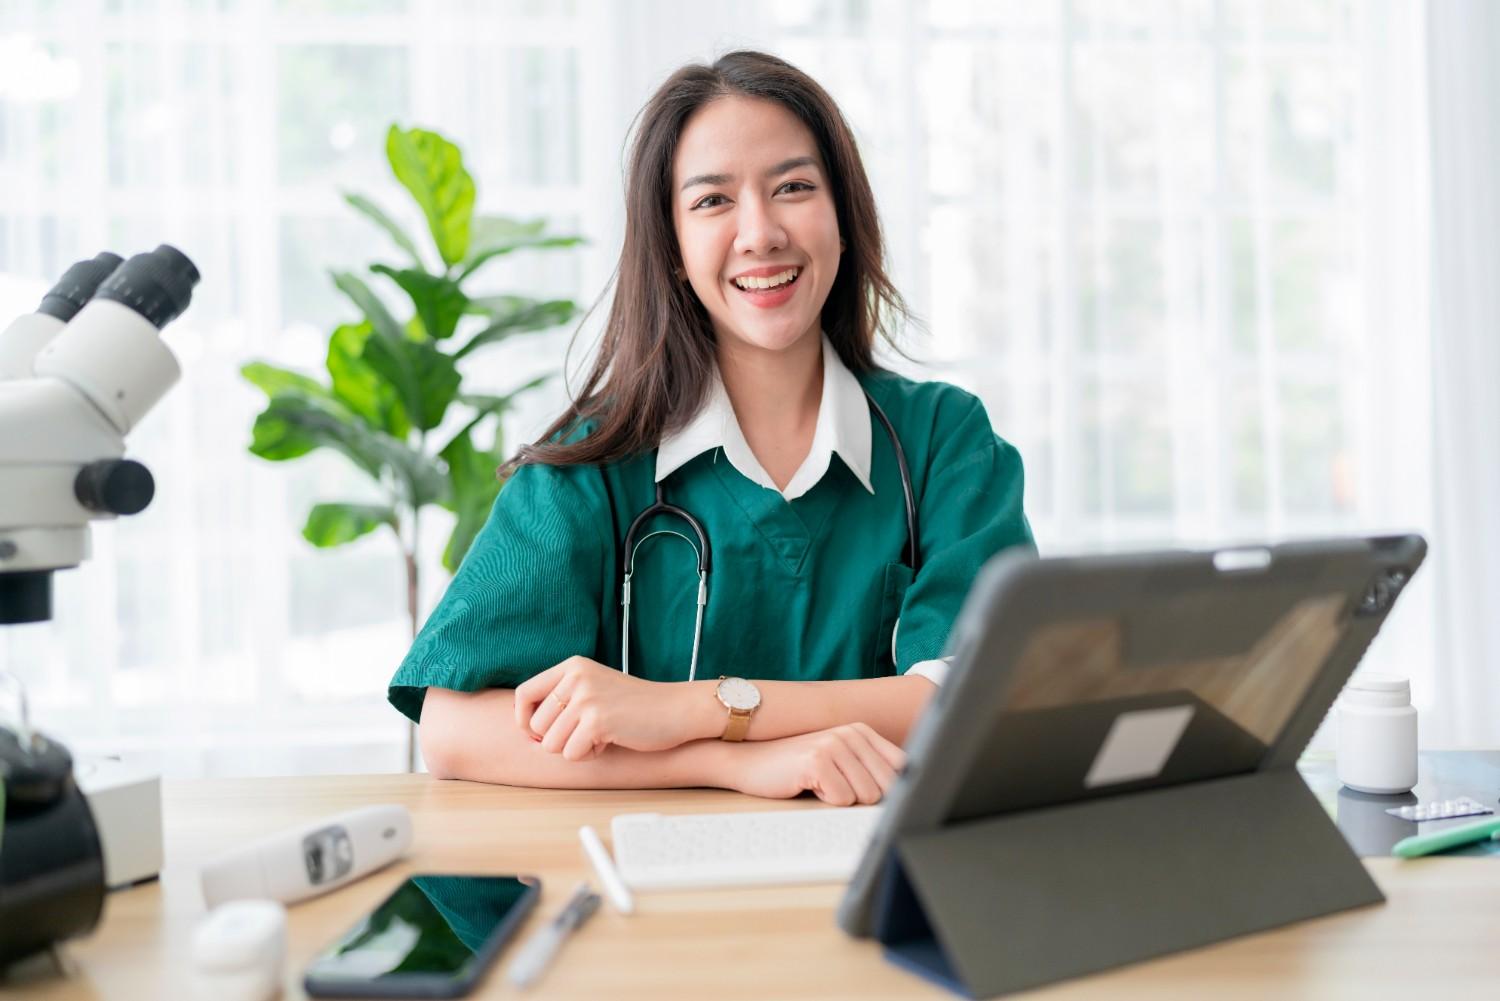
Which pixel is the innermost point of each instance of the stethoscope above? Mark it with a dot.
(701, 550)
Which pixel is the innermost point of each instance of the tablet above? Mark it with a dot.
(1081, 678)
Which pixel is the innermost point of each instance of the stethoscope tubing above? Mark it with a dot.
(704, 552)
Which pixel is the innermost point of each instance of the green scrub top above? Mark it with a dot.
(802, 590)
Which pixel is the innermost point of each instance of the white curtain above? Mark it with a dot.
(1464, 57)
(1178, 247)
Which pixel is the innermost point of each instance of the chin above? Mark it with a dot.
(772, 336)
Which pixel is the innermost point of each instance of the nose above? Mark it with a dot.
(759, 233)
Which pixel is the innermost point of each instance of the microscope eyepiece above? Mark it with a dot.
(78, 285)
(158, 285)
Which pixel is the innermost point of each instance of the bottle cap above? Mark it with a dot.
(240, 934)
(1380, 683)
(239, 951)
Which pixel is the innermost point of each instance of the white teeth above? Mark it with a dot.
(771, 282)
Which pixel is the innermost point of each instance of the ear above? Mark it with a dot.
(841, 244)
(681, 274)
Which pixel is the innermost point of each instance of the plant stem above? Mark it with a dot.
(411, 591)
(413, 581)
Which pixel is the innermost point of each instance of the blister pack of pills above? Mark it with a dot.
(1441, 809)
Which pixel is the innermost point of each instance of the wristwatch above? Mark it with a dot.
(741, 698)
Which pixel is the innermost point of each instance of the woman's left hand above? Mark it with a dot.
(580, 707)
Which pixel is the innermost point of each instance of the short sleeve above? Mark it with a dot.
(970, 509)
(526, 596)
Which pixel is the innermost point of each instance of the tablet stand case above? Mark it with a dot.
(1001, 904)
(1014, 900)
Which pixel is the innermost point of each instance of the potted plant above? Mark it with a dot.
(392, 383)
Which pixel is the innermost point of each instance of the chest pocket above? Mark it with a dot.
(898, 578)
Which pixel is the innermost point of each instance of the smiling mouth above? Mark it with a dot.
(770, 283)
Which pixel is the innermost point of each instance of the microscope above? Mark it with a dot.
(75, 377)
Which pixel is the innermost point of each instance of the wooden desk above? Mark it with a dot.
(1437, 934)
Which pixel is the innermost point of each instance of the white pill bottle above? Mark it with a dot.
(1377, 735)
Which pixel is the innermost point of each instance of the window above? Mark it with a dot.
(1140, 231)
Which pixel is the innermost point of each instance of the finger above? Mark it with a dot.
(864, 785)
(530, 693)
(879, 768)
(892, 753)
(546, 713)
(556, 737)
(830, 785)
(581, 744)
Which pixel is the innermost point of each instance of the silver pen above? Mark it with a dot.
(532, 960)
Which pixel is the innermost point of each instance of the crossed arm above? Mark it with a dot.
(583, 725)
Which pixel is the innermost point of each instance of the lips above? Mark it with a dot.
(769, 298)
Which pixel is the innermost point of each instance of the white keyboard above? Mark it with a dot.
(659, 851)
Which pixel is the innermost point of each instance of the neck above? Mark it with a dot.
(774, 393)
(775, 396)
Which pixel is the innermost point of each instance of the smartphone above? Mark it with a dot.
(432, 938)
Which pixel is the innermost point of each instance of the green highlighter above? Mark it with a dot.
(1426, 844)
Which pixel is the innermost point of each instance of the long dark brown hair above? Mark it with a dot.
(656, 357)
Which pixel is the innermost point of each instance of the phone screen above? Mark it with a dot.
(433, 930)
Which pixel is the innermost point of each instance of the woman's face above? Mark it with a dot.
(751, 205)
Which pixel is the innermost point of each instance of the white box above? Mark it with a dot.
(125, 799)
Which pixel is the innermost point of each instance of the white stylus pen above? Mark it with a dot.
(604, 867)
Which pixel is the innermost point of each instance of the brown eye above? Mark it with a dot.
(707, 202)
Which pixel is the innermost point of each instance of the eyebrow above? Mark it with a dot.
(783, 167)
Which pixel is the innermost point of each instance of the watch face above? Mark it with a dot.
(737, 693)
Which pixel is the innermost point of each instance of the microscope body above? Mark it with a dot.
(91, 384)
(76, 376)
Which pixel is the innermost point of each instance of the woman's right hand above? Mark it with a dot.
(844, 765)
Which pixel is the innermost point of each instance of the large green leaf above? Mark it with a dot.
(487, 405)
(490, 230)
(271, 380)
(386, 352)
(437, 380)
(473, 487)
(377, 215)
(379, 318)
(362, 389)
(336, 524)
(438, 300)
(293, 425)
(432, 169)
(487, 250)
(510, 315)
(424, 377)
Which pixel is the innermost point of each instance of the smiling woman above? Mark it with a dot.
(760, 247)
(751, 291)
(655, 368)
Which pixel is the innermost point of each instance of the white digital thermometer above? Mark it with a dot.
(301, 863)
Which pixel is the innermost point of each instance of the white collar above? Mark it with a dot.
(843, 427)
